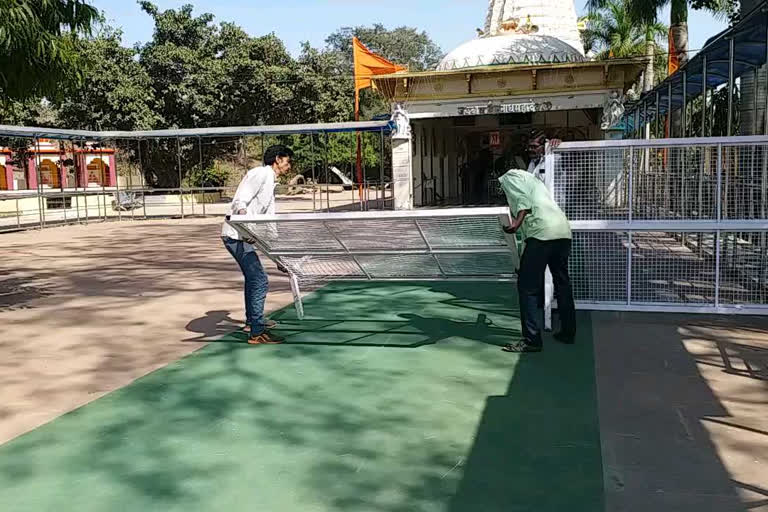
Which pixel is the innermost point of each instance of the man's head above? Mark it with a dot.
(279, 157)
(536, 144)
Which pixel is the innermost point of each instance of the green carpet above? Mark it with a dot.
(389, 397)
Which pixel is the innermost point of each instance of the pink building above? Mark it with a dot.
(6, 170)
(93, 167)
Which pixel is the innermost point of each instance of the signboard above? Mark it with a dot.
(495, 139)
(504, 108)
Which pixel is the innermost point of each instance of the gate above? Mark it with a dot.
(668, 225)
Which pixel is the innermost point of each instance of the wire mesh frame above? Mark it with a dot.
(363, 256)
(685, 260)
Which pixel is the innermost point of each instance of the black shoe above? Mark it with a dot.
(562, 337)
(522, 346)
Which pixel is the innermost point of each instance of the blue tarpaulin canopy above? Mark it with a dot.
(750, 39)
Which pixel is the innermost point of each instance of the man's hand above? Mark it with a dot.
(553, 143)
(241, 211)
(512, 228)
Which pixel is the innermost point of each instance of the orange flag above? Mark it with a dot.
(367, 65)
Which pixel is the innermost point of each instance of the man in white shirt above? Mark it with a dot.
(256, 196)
(536, 145)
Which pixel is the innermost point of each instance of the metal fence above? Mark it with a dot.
(676, 225)
(35, 209)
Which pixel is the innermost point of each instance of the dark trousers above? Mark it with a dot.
(537, 256)
(256, 282)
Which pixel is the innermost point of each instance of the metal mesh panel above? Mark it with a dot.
(744, 268)
(323, 268)
(444, 244)
(664, 270)
(687, 200)
(598, 266)
(674, 182)
(592, 184)
(744, 182)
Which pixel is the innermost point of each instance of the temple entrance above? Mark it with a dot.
(49, 173)
(458, 160)
(97, 172)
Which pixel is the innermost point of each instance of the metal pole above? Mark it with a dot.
(327, 179)
(719, 218)
(732, 45)
(40, 200)
(683, 118)
(704, 96)
(381, 169)
(18, 214)
(85, 185)
(77, 196)
(143, 187)
(629, 267)
(178, 162)
(646, 125)
(658, 115)
(117, 187)
(637, 123)
(200, 157)
(312, 159)
(103, 187)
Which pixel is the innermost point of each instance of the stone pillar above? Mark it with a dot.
(402, 172)
(112, 171)
(8, 170)
(31, 173)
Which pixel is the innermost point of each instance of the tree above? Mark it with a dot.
(403, 45)
(38, 46)
(612, 32)
(205, 75)
(116, 91)
(646, 11)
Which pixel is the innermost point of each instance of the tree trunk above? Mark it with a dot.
(648, 77)
(678, 28)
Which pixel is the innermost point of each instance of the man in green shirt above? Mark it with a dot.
(547, 235)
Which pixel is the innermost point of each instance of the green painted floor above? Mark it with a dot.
(389, 397)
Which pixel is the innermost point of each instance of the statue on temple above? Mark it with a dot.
(402, 123)
(612, 111)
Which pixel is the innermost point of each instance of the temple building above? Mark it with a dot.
(51, 166)
(6, 170)
(471, 117)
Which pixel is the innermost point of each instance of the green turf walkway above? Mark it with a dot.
(389, 397)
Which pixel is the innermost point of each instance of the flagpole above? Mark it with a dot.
(359, 154)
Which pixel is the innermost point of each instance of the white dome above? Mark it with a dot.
(510, 49)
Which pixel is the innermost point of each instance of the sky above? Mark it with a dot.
(448, 22)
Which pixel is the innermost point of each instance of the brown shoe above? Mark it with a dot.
(265, 338)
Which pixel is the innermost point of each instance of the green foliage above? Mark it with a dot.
(213, 176)
(38, 46)
(117, 92)
(196, 73)
(403, 45)
(612, 32)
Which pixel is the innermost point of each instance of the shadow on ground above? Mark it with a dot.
(342, 417)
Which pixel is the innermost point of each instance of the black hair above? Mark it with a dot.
(277, 151)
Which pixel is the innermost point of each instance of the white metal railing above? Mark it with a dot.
(676, 225)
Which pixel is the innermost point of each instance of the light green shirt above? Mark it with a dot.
(524, 191)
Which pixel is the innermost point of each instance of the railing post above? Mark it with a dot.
(719, 218)
(178, 163)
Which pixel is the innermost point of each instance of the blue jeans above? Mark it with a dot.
(256, 282)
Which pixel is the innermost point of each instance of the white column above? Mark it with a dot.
(402, 173)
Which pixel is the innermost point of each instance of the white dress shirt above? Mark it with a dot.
(255, 195)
